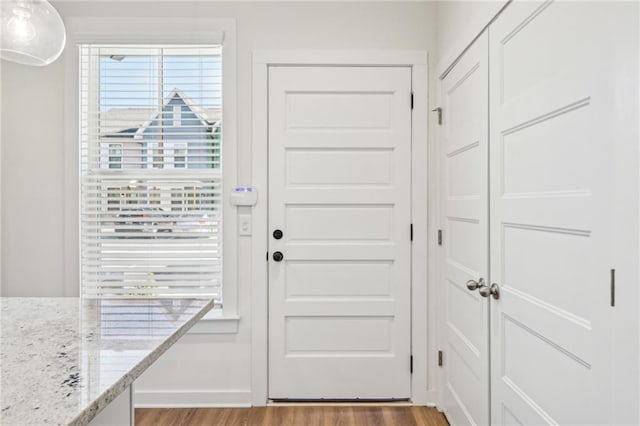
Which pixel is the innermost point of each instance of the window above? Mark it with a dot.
(115, 155)
(179, 156)
(151, 171)
(177, 116)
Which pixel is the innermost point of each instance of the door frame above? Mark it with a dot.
(417, 61)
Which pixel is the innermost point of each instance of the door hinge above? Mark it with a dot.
(411, 232)
(411, 364)
(440, 359)
(411, 100)
(613, 287)
(439, 237)
(439, 111)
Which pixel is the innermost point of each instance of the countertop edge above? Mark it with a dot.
(86, 415)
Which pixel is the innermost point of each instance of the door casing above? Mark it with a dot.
(421, 388)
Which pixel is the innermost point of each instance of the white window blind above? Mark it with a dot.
(151, 171)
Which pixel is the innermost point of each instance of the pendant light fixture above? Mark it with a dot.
(32, 32)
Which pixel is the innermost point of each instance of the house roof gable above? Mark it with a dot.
(175, 93)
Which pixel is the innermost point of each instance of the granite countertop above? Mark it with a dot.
(62, 360)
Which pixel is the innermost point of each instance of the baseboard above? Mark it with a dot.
(433, 399)
(191, 399)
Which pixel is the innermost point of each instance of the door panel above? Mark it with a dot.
(551, 166)
(465, 201)
(339, 189)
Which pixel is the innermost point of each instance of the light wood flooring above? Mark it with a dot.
(340, 415)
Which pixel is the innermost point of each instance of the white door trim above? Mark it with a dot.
(417, 60)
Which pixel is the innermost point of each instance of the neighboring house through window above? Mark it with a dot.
(177, 116)
(115, 155)
(179, 156)
(151, 170)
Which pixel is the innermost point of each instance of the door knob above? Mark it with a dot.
(486, 291)
(278, 256)
(495, 291)
(474, 285)
(277, 234)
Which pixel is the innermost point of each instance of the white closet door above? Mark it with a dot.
(465, 178)
(551, 213)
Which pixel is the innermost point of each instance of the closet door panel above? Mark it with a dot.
(550, 189)
(464, 180)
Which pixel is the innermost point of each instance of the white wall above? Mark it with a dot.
(201, 369)
(459, 22)
(32, 180)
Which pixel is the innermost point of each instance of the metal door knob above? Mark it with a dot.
(494, 291)
(474, 285)
(278, 256)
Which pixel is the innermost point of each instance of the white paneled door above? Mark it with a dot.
(532, 211)
(552, 111)
(464, 159)
(339, 232)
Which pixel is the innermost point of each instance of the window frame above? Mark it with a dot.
(154, 31)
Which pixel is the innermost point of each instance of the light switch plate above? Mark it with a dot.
(244, 224)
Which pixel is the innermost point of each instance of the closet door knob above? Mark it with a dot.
(495, 291)
(474, 285)
(278, 256)
(486, 291)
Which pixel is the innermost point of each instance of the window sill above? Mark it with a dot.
(215, 322)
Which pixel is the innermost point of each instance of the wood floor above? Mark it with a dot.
(292, 416)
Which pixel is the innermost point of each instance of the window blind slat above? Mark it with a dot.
(151, 167)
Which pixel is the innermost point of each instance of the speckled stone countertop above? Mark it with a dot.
(64, 359)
